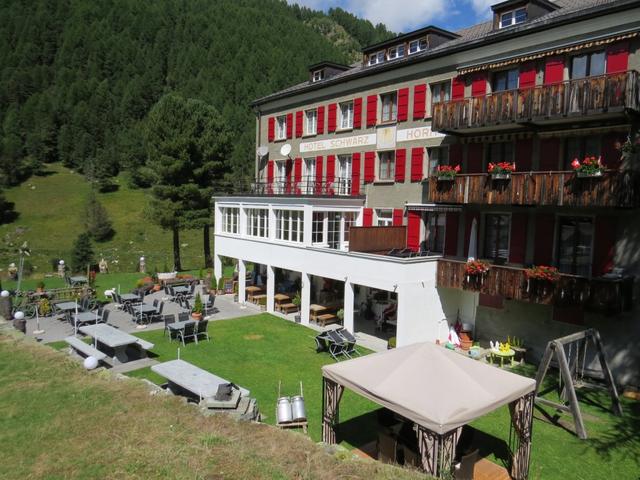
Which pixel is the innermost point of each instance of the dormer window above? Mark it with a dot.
(318, 75)
(513, 17)
(376, 58)
(416, 46)
(396, 52)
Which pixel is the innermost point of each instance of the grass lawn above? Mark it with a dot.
(257, 351)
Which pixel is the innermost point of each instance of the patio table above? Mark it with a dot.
(116, 340)
(130, 297)
(181, 290)
(252, 291)
(315, 310)
(84, 317)
(502, 356)
(65, 306)
(195, 380)
(176, 327)
(280, 298)
(79, 279)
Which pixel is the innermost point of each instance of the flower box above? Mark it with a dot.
(445, 179)
(501, 170)
(447, 173)
(590, 167)
(589, 175)
(500, 176)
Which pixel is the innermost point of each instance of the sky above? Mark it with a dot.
(406, 15)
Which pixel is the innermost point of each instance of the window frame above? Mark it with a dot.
(289, 225)
(398, 52)
(258, 222)
(582, 148)
(589, 56)
(230, 218)
(307, 130)
(496, 76)
(393, 117)
(502, 153)
(281, 127)
(378, 56)
(317, 76)
(434, 163)
(349, 126)
(391, 165)
(440, 225)
(421, 45)
(513, 17)
(382, 220)
(485, 253)
(558, 247)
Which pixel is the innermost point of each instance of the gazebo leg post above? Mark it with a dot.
(331, 395)
(522, 424)
(436, 451)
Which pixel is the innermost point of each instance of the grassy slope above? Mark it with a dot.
(52, 217)
(57, 421)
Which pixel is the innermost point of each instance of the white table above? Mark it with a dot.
(117, 341)
(191, 378)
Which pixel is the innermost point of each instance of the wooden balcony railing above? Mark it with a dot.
(612, 189)
(600, 294)
(580, 97)
(377, 239)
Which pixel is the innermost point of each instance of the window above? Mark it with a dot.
(438, 156)
(331, 229)
(311, 122)
(230, 220)
(505, 80)
(581, 147)
(344, 175)
(496, 239)
(387, 164)
(318, 223)
(346, 115)
(257, 222)
(501, 152)
(376, 58)
(587, 65)
(416, 46)
(396, 52)
(513, 17)
(384, 217)
(349, 220)
(435, 233)
(389, 106)
(281, 127)
(281, 176)
(309, 174)
(289, 225)
(318, 75)
(441, 92)
(574, 245)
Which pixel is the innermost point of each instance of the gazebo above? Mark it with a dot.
(440, 391)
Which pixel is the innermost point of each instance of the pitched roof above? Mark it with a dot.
(467, 38)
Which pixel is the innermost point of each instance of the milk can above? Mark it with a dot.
(297, 408)
(283, 411)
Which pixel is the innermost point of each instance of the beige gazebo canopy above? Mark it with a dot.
(438, 389)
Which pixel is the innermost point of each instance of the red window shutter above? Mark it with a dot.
(451, 234)
(355, 174)
(457, 88)
(403, 104)
(479, 85)
(618, 57)
(455, 154)
(372, 110)
(419, 101)
(549, 154)
(297, 170)
(369, 166)
(467, 230)
(554, 70)
(357, 113)
(524, 153)
(289, 125)
(417, 160)
(413, 229)
(367, 217)
(299, 124)
(318, 173)
(544, 239)
(401, 164)
(271, 131)
(331, 121)
(270, 168)
(474, 158)
(330, 176)
(398, 214)
(527, 76)
(611, 156)
(517, 246)
(320, 126)
(604, 244)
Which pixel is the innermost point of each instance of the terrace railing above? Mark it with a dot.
(579, 97)
(612, 189)
(306, 186)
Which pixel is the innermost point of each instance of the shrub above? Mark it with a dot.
(82, 254)
(97, 220)
(197, 305)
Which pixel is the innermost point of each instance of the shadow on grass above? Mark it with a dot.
(360, 430)
(623, 432)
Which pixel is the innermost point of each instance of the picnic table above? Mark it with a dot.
(84, 317)
(194, 380)
(280, 298)
(116, 343)
(66, 306)
(315, 310)
(251, 291)
(78, 280)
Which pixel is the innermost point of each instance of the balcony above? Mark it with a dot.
(377, 240)
(612, 189)
(307, 186)
(602, 96)
(597, 294)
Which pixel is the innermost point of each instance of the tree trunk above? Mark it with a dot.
(177, 265)
(208, 259)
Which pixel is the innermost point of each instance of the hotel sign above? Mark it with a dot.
(338, 143)
(421, 133)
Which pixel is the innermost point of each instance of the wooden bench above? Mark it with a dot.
(325, 319)
(145, 345)
(85, 348)
(288, 308)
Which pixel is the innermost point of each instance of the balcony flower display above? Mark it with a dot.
(540, 281)
(501, 170)
(447, 172)
(589, 167)
(542, 272)
(475, 271)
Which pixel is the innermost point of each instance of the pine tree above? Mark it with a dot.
(82, 254)
(97, 221)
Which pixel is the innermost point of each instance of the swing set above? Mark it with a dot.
(571, 368)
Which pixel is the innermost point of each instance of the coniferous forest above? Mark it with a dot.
(79, 77)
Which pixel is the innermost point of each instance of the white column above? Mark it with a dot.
(217, 267)
(242, 281)
(403, 317)
(305, 297)
(349, 322)
(271, 287)
(242, 221)
(272, 223)
(308, 225)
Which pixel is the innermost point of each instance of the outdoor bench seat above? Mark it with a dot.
(327, 318)
(288, 307)
(85, 348)
(145, 345)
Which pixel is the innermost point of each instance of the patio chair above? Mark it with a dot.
(193, 289)
(105, 315)
(169, 294)
(208, 306)
(202, 329)
(186, 305)
(183, 316)
(322, 344)
(350, 341)
(393, 252)
(337, 345)
(155, 302)
(464, 470)
(168, 319)
(189, 331)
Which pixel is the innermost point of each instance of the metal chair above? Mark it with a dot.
(183, 316)
(168, 320)
(202, 329)
(337, 345)
(350, 341)
(189, 331)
